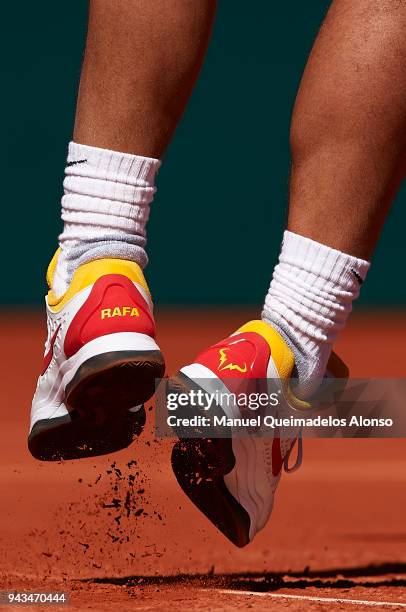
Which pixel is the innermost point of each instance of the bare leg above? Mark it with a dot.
(348, 154)
(349, 126)
(348, 139)
(142, 59)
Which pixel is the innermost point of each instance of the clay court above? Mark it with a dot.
(117, 533)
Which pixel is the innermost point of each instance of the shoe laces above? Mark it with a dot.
(299, 455)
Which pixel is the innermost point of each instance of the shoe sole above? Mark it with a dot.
(99, 399)
(200, 465)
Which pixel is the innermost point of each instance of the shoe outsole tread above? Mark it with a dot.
(99, 399)
(200, 465)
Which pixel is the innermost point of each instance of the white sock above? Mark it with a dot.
(105, 208)
(309, 300)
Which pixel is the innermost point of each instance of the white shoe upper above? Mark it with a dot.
(71, 340)
(255, 351)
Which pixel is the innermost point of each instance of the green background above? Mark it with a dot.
(217, 220)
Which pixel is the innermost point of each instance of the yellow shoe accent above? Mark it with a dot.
(89, 273)
(284, 359)
(282, 356)
(281, 353)
(52, 268)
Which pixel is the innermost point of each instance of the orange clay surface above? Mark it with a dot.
(336, 541)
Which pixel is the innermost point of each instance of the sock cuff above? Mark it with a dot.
(108, 164)
(322, 260)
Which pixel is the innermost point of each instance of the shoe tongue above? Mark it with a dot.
(281, 354)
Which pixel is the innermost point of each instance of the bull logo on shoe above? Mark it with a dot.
(224, 364)
(119, 311)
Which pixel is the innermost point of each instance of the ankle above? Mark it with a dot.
(105, 208)
(309, 301)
